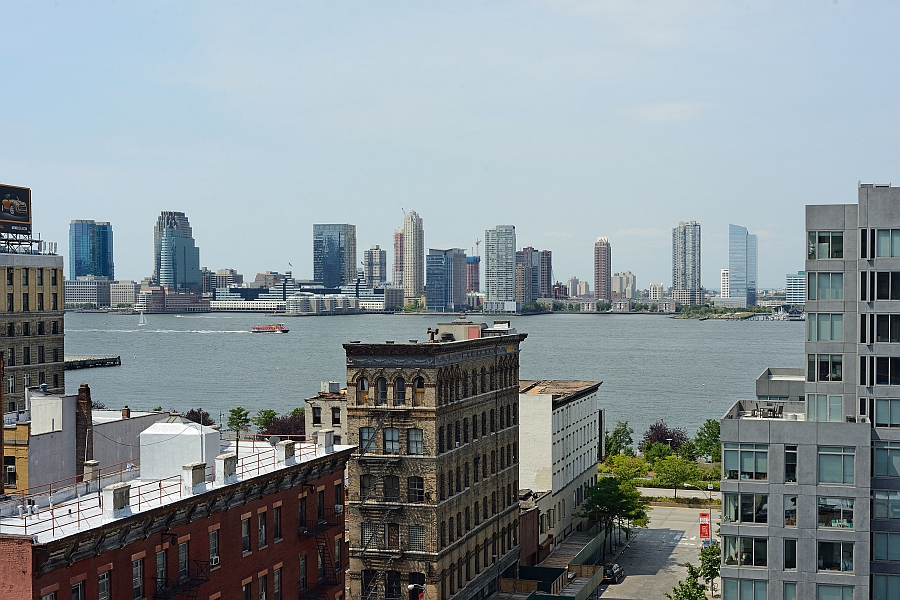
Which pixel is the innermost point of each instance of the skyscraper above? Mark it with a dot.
(546, 275)
(742, 259)
(375, 263)
(500, 268)
(397, 279)
(724, 284)
(91, 249)
(446, 276)
(602, 270)
(334, 254)
(177, 259)
(624, 284)
(686, 286)
(413, 255)
(795, 288)
(473, 273)
(530, 259)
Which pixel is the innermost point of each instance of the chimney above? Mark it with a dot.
(193, 478)
(284, 453)
(324, 442)
(84, 441)
(126, 413)
(117, 500)
(226, 469)
(91, 473)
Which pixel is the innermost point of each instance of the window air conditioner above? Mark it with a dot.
(213, 561)
(338, 509)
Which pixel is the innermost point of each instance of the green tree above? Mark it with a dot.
(674, 471)
(708, 441)
(710, 559)
(690, 588)
(688, 451)
(263, 417)
(620, 440)
(612, 501)
(298, 412)
(657, 451)
(238, 421)
(198, 415)
(626, 468)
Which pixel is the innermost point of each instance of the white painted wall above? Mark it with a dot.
(52, 413)
(535, 441)
(166, 447)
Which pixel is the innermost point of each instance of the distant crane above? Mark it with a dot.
(477, 243)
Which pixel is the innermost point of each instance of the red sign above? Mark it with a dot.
(704, 526)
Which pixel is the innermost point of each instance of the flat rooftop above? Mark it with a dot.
(767, 409)
(563, 391)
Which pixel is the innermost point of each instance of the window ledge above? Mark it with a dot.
(247, 553)
(276, 540)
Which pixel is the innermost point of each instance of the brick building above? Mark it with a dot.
(270, 525)
(433, 487)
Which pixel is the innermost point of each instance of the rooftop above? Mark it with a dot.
(563, 391)
(763, 409)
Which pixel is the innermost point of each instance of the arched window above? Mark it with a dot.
(380, 390)
(475, 383)
(420, 392)
(399, 391)
(483, 381)
(465, 384)
(362, 390)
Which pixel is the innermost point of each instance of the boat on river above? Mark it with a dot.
(274, 328)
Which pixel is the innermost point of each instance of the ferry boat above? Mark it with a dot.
(275, 328)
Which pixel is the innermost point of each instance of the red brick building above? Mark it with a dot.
(269, 526)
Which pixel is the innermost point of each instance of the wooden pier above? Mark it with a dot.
(92, 362)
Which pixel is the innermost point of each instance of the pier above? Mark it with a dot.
(92, 362)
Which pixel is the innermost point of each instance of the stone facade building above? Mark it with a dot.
(433, 486)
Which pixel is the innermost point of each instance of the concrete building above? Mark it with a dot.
(225, 278)
(602, 270)
(500, 269)
(584, 289)
(546, 274)
(334, 254)
(563, 424)
(433, 489)
(742, 264)
(657, 292)
(267, 524)
(159, 299)
(473, 274)
(446, 276)
(327, 410)
(91, 249)
(530, 259)
(795, 289)
(413, 255)
(123, 293)
(176, 257)
(572, 287)
(87, 290)
(397, 280)
(686, 283)
(524, 283)
(623, 284)
(724, 284)
(375, 265)
(33, 324)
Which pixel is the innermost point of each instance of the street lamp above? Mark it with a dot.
(413, 586)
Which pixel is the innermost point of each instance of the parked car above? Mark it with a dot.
(613, 574)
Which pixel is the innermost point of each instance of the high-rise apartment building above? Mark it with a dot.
(602, 270)
(530, 259)
(584, 289)
(334, 254)
(473, 273)
(433, 487)
(657, 291)
(446, 276)
(375, 264)
(724, 287)
(524, 283)
(413, 255)
(177, 259)
(91, 249)
(546, 274)
(795, 289)
(572, 287)
(686, 283)
(623, 284)
(397, 280)
(742, 259)
(500, 269)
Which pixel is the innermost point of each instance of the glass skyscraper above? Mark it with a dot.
(177, 258)
(334, 254)
(445, 273)
(742, 259)
(686, 282)
(90, 249)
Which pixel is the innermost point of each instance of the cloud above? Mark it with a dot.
(669, 112)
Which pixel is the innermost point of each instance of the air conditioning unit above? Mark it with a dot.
(862, 419)
(338, 509)
(213, 561)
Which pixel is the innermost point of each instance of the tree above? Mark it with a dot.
(690, 588)
(674, 471)
(656, 451)
(263, 417)
(710, 559)
(688, 451)
(198, 415)
(708, 441)
(620, 440)
(612, 500)
(289, 424)
(97, 405)
(626, 468)
(238, 421)
(660, 432)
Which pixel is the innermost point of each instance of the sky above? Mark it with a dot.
(568, 119)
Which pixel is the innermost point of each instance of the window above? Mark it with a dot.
(414, 441)
(303, 514)
(399, 391)
(790, 511)
(40, 354)
(392, 585)
(335, 416)
(835, 512)
(25, 302)
(790, 590)
(53, 277)
(320, 505)
(9, 302)
(887, 414)
(790, 464)
(420, 391)
(887, 454)
(40, 276)
(836, 556)
(744, 551)
(746, 508)
(276, 523)
(822, 408)
(183, 566)
(40, 302)
(391, 488)
(302, 570)
(380, 390)
(887, 370)
(369, 534)
(887, 505)
(9, 275)
(825, 327)
(276, 584)
(886, 546)
(415, 487)
(262, 585)
(337, 553)
(26, 356)
(11, 357)
(746, 461)
(367, 439)
(245, 535)
(25, 276)
(362, 391)
(885, 587)
(137, 578)
(214, 547)
(78, 591)
(391, 440)
(320, 564)
(317, 415)
(104, 591)
(824, 367)
(828, 244)
(261, 529)
(836, 464)
(54, 302)
(887, 242)
(246, 592)
(161, 570)
(54, 327)
(743, 589)
(790, 554)
(825, 286)
(416, 536)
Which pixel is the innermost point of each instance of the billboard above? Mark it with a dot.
(15, 209)
(704, 526)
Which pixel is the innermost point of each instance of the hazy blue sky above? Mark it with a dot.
(570, 120)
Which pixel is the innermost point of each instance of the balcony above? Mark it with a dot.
(173, 587)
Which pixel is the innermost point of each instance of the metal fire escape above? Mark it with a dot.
(333, 574)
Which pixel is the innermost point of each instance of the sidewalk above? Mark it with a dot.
(682, 493)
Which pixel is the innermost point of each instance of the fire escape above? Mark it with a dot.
(188, 582)
(332, 574)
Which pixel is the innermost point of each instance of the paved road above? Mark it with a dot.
(654, 559)
(670, 493)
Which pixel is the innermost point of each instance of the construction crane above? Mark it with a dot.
(477, 243)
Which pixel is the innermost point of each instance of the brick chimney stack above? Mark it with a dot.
(84, 439)
(126, 413)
